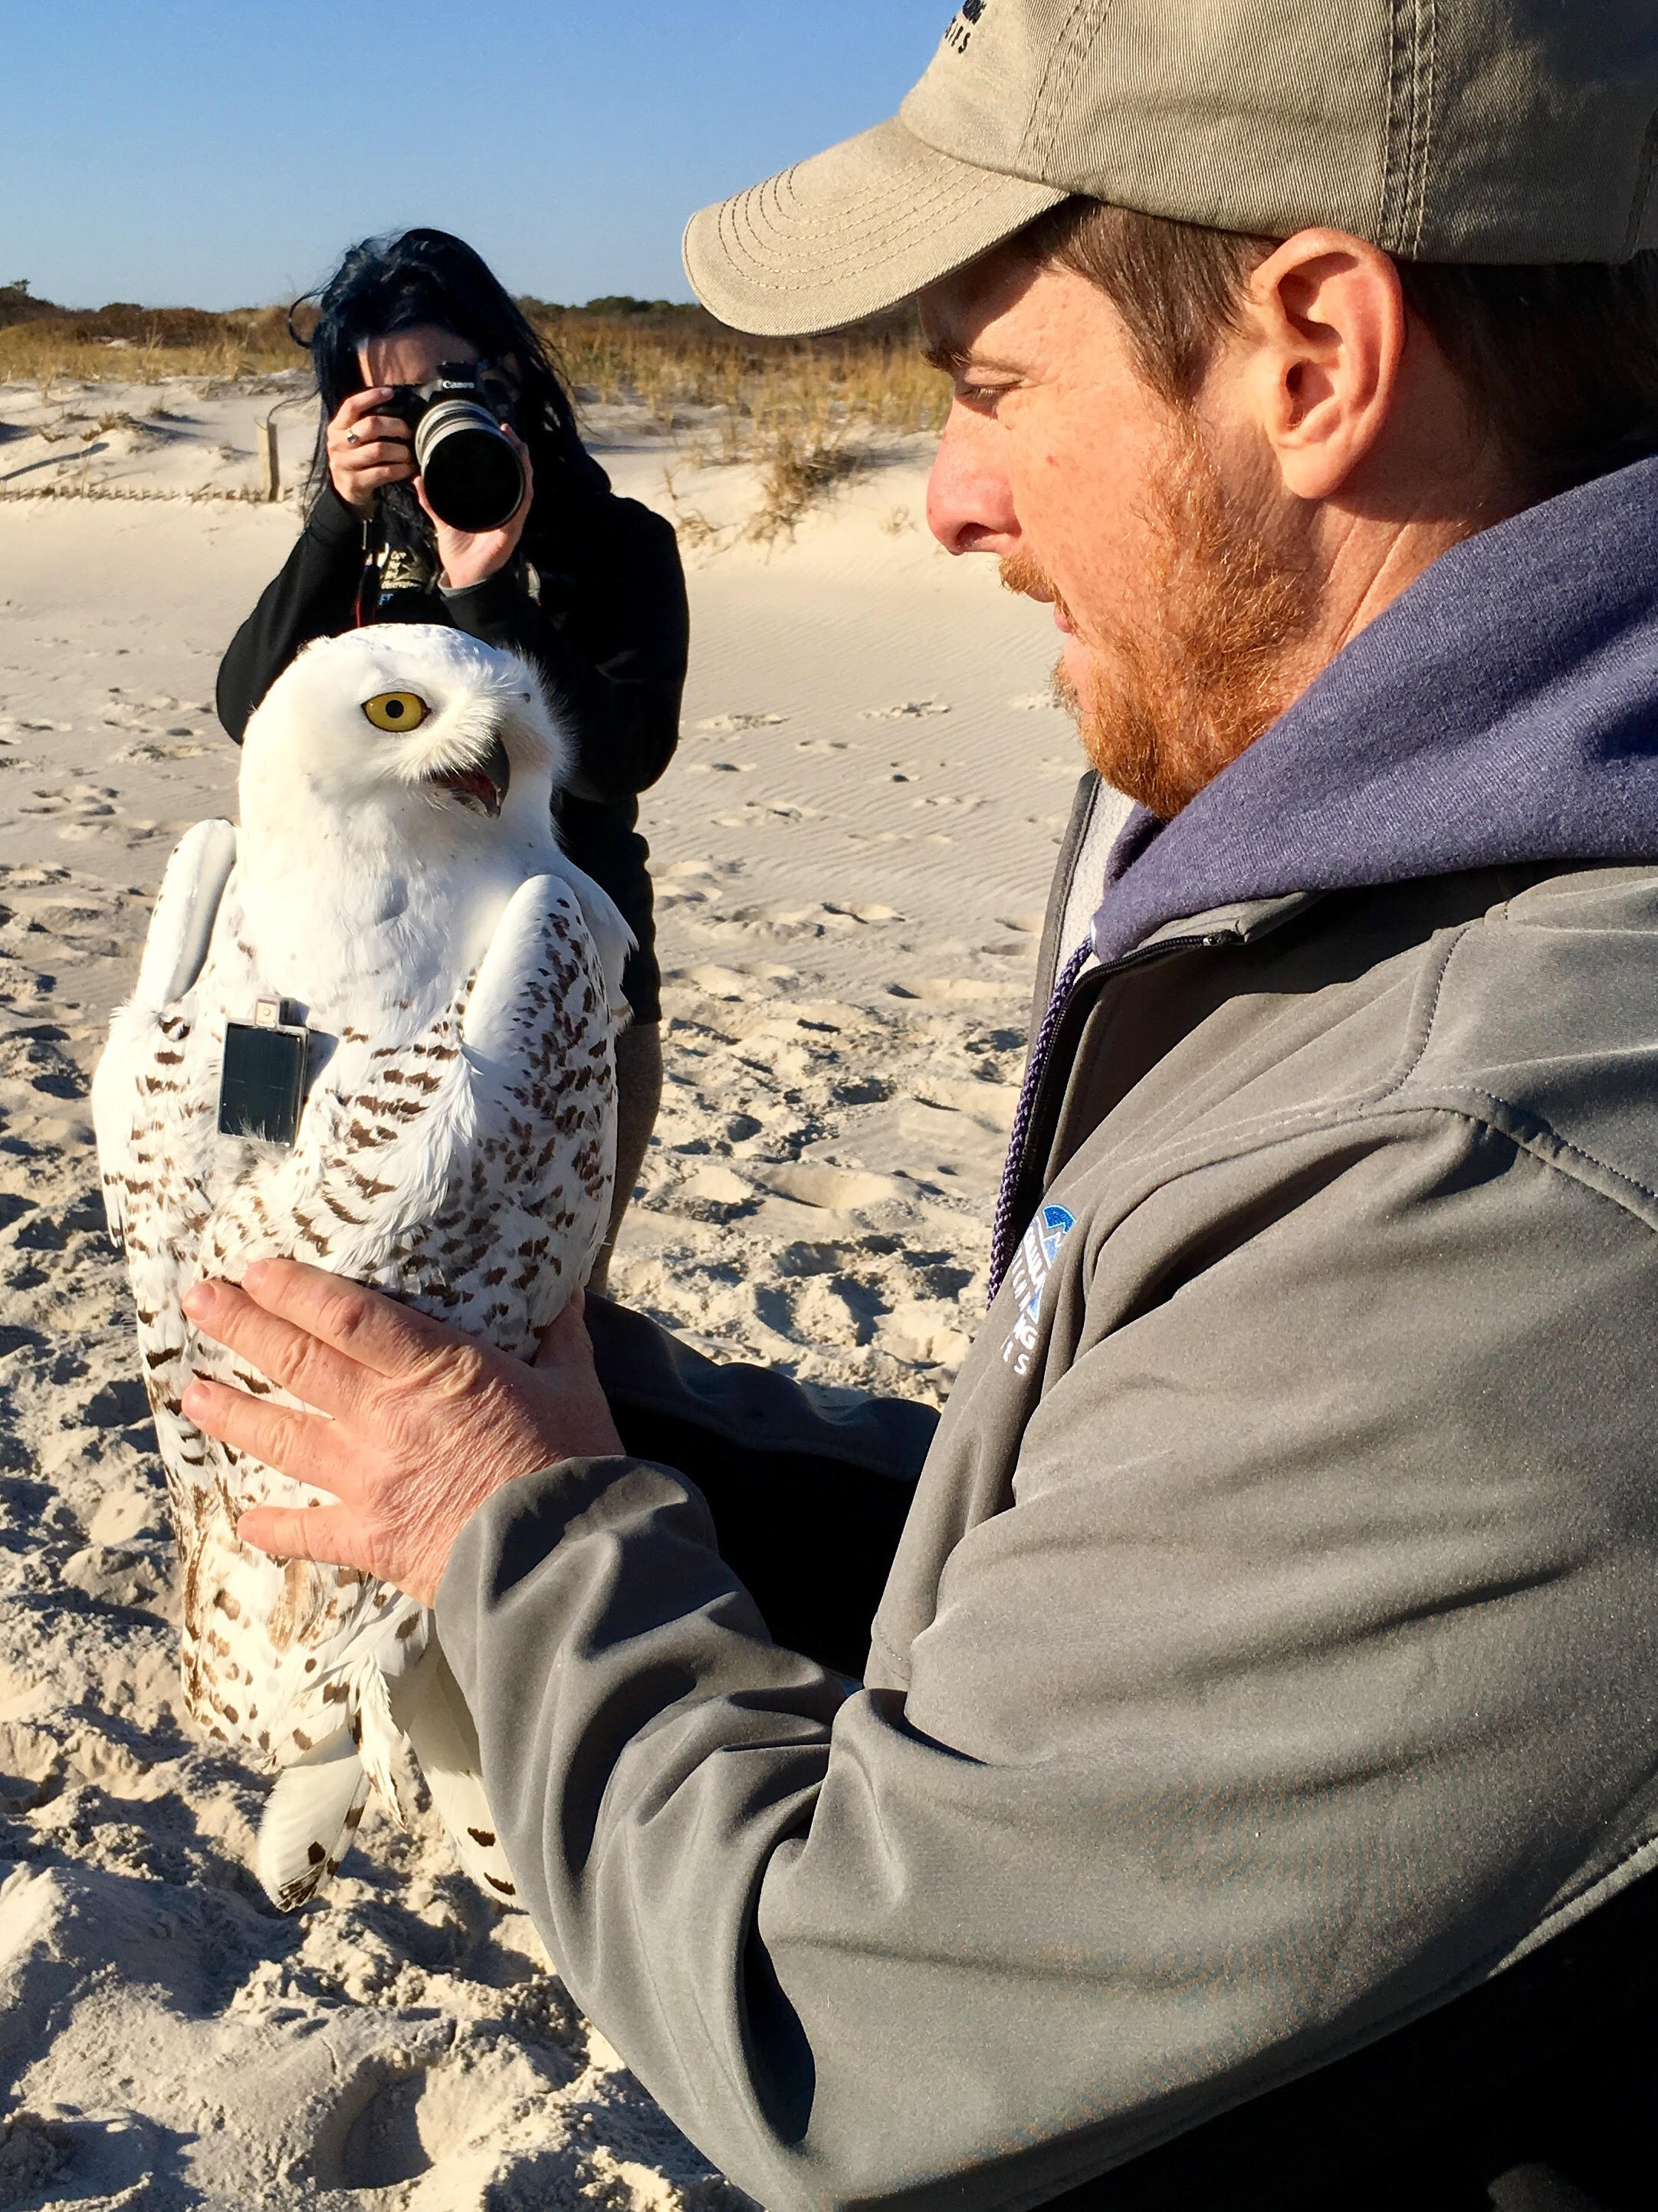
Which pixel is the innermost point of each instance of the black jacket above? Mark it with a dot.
(610, 632)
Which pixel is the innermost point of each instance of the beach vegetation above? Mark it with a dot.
(805, 413)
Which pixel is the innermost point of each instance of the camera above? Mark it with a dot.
(473, 475)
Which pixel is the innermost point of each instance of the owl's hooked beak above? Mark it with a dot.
(481, 786)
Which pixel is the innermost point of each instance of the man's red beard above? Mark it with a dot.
(1170, 700)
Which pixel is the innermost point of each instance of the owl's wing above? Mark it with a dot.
(180, 929)
(537, 1037)
(186, 908)
(510, 991)
(612, 938)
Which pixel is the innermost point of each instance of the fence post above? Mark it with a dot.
(270, 474)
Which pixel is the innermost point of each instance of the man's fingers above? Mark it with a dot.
(317, 1532)
(303, 1445)
(376, 1332)
(281, 1350)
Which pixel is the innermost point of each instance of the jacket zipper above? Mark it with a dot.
(1015, 1212)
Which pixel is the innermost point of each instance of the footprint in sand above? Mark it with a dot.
(993, 1105)
(415, 2122)
(907, 710)
(866, 913)
(832, 1309)
(114, 1577)
(756, 811)
(836, 1190)
(31, 1057)
(154, 749)
(717, 1186)
(742, 722)
(767, 922)
(31, 1774)
(924, 1332)
(957, 988)
(86, 799)
(715, 982)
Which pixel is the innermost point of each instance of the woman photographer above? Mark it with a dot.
(586, 585)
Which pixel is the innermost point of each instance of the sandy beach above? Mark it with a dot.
(852, 853)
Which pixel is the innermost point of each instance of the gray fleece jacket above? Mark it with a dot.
(1271, 1652)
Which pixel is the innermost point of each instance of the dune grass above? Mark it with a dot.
(870, 375)
(801, 410)
(669, 361)
(138, 345)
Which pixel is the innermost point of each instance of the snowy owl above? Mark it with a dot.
(373, 1030)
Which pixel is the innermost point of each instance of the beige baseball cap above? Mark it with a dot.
(1505, 130)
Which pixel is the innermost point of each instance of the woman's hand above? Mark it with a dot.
(416, 1425)
(469, 555)
(368, 450)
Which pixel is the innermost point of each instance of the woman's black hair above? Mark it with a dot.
(427, 276)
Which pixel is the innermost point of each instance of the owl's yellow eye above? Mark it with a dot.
(396, 710)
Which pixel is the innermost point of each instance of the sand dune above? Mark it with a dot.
(852, 851)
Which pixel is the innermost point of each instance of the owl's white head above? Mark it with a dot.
(405, 738)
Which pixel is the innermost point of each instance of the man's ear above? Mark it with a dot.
(1325, 317)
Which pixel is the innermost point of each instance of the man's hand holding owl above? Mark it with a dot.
(415, 1424)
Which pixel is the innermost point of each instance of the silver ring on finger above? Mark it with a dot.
(351, 437)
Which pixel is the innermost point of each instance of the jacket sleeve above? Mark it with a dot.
(785, 1475)
(611, 632)
(313, 597)
(1310, 1653)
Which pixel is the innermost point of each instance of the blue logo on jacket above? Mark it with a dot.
(1028, 1277)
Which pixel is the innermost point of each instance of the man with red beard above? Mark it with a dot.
(1248, 1787)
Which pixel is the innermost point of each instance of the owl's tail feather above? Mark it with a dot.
(432, 1712)
(381, 1744)
(310, 1819)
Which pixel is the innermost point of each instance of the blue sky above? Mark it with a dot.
(220, 153)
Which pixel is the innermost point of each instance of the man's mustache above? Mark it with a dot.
(1026, 576)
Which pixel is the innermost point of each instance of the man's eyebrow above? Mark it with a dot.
(944, 354)
(955, 359)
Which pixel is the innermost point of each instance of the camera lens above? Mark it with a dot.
(474, 478)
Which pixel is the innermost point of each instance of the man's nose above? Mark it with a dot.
(969, 500)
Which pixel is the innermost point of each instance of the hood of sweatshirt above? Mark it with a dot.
(1503, 709)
